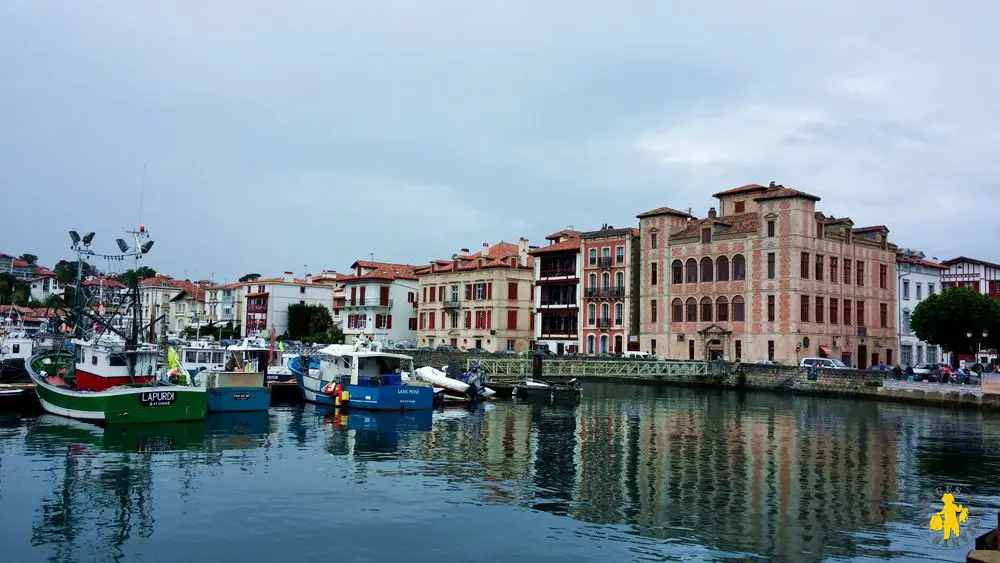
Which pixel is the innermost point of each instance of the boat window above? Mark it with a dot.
(117, 360)
(203, 357)
(217, 357)
(15, 348)
(189, 356)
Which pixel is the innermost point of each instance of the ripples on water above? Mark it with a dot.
(633, 473)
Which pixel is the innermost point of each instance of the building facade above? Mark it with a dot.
(479, 300)
(267, 301)
(155, 295)
(916, 279)
(558, 293)
(767, 277)
(45, 285)
(610, 285)
(379, 300)
(978, 275)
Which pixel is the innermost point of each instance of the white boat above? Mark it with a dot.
(473, 386)
(16, 346)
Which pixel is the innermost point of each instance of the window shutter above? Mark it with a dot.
(489, 318)
(531, 322)
(362, 296)
(468, 319)
(441, 293)
(388, 322)
(512, 291)
(425, 295)
(442, 320)
(489, 290)
(468, 292)
(512, 320)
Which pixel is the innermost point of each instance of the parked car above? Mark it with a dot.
(823, 363)
(506, 353)
(768, 363)
(445, 348)
(477, 351)
(424, 349)
(636, 355)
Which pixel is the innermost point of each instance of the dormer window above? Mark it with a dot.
(706, 236)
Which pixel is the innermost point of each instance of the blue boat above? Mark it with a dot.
(240, 386)
(361, 377)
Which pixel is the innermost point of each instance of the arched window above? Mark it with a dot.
(676, 311)
(604, 343)
(677, 268)
(690, 271)
(591, 313)
(707, 269)
(620, 280)
(691, 307)
(722, 269)
(706, 309)
(737, 309)
(590, 343)
(606, 278)
(722, 309)
(739, 268)
(618, 314)
(592, 281)
(605, 312)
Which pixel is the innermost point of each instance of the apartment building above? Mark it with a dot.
(379, 300)
(611, 283)
(558, 293)
(917, 278)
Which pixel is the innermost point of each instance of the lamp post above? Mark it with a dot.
(975, 353)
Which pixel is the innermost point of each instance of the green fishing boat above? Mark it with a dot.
(108, 375)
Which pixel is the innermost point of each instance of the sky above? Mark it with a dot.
(252, 136)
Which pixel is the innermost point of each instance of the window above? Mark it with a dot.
(739, 350)
(302, 290)
(930, 289)
(819, 310)
(770, 229)
(479, 291)
(819, 268)
(833, 269)
(804, 308)
(883, 276)
(706, 236)
(690, 271)
(707, 269)
(454, 293)
(722, 309)
(512, 291)
(883, 315)
(919, 289)
(770, 308)
(454, 319)
(706, 309)
(652, 347)
(690, 349)
(860, 271)
(676, 311)
(860, 316)
(593, 256)
(691, 307)
(847, 271)
(932, 355)
(468, 319)
(620, 280)
(819, 230)
(422, 321)
(512, 320)
(652, 273)
(592, 281)
(619, 313)
(430, 320)
(834, 309)
(771, 266)
(620, 254)
(606, 280)
(510, 345)
(677, 270)
(906, 290)
(847, 312)
(739, 207)
(906, 355)
(804, 265)
(604, 343)
(739, 268)
(591, 314)
(652, 310)
(652, 240)
(722, 268)
(906, 322)
(770, 350)
(737, 309)
(590, 343)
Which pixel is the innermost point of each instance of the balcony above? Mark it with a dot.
(557, 273)
(450, 304)
(558, 304)
(376, 302)
(558, 334)
(605, 292)
(256, 308)
(604, 262)
(604, 323)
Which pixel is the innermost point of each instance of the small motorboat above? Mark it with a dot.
(468, 386)
(537, 389)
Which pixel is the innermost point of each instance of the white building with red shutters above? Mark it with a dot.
(267, 301)
(379, 300)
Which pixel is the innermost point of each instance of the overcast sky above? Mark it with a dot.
(280, 135)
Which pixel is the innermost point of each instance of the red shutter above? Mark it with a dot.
(442, 320)
(362, 296)
(378, 321)
(489, 290)
(512, 291)
(383, 296)
(512, 320)
(532, 290)
(468, 319)
(489, 318)
(532, 321)
(425, 295)
(468, 292)
(441, 293)
(388, 321)
(431, 321)
(354, 295)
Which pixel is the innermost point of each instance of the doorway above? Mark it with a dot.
(618, 344)
(862, 356)
(560, 348)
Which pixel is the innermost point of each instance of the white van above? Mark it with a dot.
(635, 355)
(823, 363)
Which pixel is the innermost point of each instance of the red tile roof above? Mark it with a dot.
(380, 271)
(968, 260)
(568, 245)
(663, 211)
(740, 190)
(496, 256)
(906, 259)
(741, 223)
(21, 263)
(105, 282)
(781, 192)
(563, 233)
(870, 229)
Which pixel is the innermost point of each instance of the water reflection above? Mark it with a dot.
(789, 478)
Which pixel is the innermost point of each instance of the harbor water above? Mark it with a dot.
(632, 473)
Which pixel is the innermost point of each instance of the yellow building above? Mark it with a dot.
(478, 300)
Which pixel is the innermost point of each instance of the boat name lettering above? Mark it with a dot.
(157, 398)
(408, 391)
(241, 396)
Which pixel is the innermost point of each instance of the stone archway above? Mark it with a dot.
(715, 342)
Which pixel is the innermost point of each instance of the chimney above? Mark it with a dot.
(711, 213)
(486, 248)
(288, 277)
(522, 251)
(772, 184)
(464, 252)
(309, 279)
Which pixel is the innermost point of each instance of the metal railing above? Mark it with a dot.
(616, 292)
(374, 302)
(625, 369)
(557, 272)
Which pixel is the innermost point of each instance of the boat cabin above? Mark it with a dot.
(103, 364)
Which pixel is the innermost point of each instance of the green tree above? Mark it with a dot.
(66, 270)
(311, 322)
(249, 277)
(128, 276)
(29, 258)
(13, 290)
(334, 335)
(946, 318)
(54, 301)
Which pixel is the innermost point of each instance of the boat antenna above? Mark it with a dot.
(142, 191)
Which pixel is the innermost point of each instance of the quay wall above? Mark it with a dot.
(780, 379)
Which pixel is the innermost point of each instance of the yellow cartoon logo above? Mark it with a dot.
(955, 524)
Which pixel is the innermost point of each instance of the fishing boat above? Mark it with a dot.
(109, 375)
(539, 390)
(362, 377)
(239, 385)
(16, 347)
